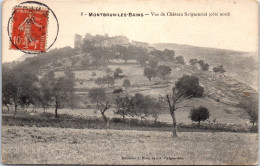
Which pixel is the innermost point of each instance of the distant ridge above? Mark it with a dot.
(24, 56)
(242, 66)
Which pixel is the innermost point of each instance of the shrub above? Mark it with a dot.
(117, 120)
(199, 114)
(193, 61)
(117, 72)
(119, 90)
(204, 66)
(219, 69)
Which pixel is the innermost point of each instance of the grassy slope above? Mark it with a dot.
(90, 146)
(216, 86)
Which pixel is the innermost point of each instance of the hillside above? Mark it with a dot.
(242, 66)
(24, 56)
(222, 92)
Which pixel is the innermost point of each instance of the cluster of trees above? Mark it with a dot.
(138, 105)
(22, 88)
(110, 80)
(105, 80)
(152, 70)
(203, 65)
(219, 69)
(186, 87)
(57, 91)
(142, 55)
(133, 106)
(116, 52)
(165, 55)
(19, 88)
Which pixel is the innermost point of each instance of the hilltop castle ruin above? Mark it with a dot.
(105, 41)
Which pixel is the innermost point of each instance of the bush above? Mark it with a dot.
(199, 114)
(117, 120)
(117, 72)
(119, 90)
(193, 61)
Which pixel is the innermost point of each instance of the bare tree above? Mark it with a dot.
(98, 95)
(185, 88)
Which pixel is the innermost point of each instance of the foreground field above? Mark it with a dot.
(30, 145)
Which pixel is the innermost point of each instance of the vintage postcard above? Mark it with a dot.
(130, 82)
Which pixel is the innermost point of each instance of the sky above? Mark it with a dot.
(235, 32)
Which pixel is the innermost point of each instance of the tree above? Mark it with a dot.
(250, 105)
(189, 86)
(117, 72)
(46, 89)
(122, 52)
(158, 54)
(98, 53)
(193, 61)
(149, 73)
(10, 90)
(186, 87)
(199, 114)
(164, 70)
(109, 80)
(84, 63)
(168, 54)
(153, 63)
(141, 55)
(155, 109)
(126, 83)
(124, 106)
(180, 60)
(219, 69)
(145, 106)
(109, 54)
(20, 88)
(204, 66)
(63, 90)
(98, 95)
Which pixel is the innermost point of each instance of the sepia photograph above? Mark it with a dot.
(120, 82)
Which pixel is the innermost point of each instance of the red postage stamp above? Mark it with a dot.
(29, 29)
